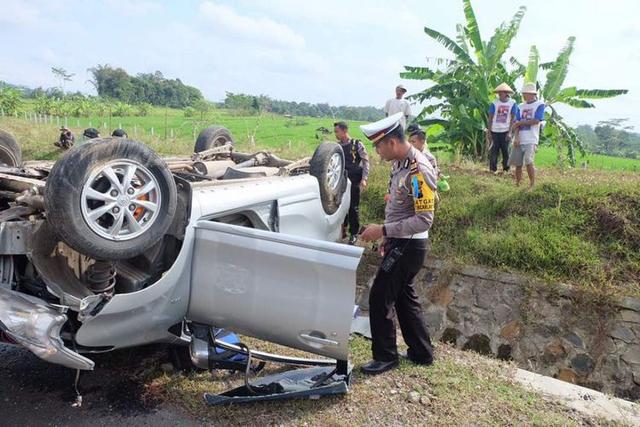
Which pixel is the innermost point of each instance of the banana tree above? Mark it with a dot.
(463, 86)
(556, 131)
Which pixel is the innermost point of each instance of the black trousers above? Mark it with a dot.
(353, 216)
(395, 290)
(500, 145)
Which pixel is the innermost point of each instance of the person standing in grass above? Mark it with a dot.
(418, 138)
(398, 105)
(408, 217)
(503, 112)
(356, 162)
(527, 133)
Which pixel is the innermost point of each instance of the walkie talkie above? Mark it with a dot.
(390, 260)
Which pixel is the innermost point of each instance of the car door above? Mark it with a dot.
(285, 289)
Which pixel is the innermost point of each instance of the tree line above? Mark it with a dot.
(612, 138)
(151, 88)
(262, 103)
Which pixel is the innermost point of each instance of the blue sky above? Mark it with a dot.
(336, 51)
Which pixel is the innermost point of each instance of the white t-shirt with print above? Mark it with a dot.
(396, 105)
(530, 135)
(502, 115)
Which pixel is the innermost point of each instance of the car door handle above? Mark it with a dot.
(318, 340)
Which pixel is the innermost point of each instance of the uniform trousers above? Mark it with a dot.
(353, 216)
(394, 291)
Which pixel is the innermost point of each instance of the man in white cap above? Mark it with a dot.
(502, 114)
(408, 217)
(398, 105)
(527, 129)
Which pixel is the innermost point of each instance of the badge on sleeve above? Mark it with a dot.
(423, 195)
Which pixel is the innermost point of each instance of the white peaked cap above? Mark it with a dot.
(377, 130)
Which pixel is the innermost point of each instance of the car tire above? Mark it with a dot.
(211, 137)
(10, 152)
(327, 165)
(110, 198)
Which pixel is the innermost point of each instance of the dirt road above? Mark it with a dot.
(36, 393)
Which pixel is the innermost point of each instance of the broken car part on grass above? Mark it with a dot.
(114, 247)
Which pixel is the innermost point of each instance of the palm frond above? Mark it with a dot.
(600, 93)
(503, 37)
(558, 73)
(474, 31)
(461, 38)
(417, 73)
(577, 103)
(449, 44)
(531, 74)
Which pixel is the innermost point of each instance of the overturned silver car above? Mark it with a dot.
(113, 247)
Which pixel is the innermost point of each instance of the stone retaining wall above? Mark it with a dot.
(547, 329)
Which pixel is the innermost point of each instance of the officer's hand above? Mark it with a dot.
(363, 184)
(372, 233)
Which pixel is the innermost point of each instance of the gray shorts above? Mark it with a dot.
(522, 155)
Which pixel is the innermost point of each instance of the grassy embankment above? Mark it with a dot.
(579, 226)
(462, 388)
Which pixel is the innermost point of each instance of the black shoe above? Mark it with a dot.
(353, 239)
(423, 362)
(375, 367)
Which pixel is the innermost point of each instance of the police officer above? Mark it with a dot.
(356, 162)
(408, 217)
(418, 138)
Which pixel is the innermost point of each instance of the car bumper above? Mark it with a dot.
(35, 325)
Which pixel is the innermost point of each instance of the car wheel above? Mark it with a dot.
(10, 153)
(327, 165)
(213, 136)
(110, 198)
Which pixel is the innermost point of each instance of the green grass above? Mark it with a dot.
(580, 227)
(548, 156)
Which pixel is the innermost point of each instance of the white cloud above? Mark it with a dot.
(19, 13)
(134, 7)
(226, 22)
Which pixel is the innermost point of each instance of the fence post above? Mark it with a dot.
(135, 130)
(172, 133)
(152, 131)
(78, 123)
(66, 121)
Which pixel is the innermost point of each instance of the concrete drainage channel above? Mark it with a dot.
(545, 329)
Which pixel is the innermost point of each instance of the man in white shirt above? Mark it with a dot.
(397, 105)
(502, 114)
(527, 128)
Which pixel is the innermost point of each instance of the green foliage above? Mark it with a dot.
(557, 132)
(152, 88)
(582, 228)
(10, 100)
(262, 103)
(463, 86)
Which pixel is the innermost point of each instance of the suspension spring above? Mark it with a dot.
(101, 276)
